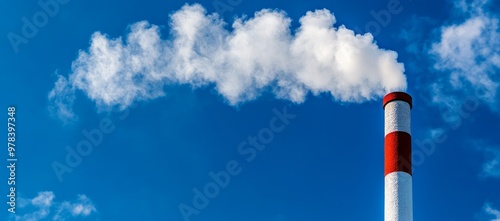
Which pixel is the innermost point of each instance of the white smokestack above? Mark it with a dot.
(258, 54)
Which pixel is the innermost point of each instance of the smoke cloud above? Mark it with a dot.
(258, 54)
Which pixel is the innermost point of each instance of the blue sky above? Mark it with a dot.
(158, 111)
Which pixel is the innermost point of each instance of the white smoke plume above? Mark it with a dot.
(259, 54)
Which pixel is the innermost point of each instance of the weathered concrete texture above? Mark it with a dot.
(398, 197)
(397, 117)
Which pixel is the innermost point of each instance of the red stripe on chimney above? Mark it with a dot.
(397, 152)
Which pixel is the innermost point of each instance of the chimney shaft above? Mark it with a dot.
(398, 169)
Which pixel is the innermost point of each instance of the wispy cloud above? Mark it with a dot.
(81, 208)
(467, 57)
(259, 54)
(491, 168)
(61, 100)
(43, 207)
(489, 213)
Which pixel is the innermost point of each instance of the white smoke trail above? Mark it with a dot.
(259, 54)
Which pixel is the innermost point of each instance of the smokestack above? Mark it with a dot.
(398, 170)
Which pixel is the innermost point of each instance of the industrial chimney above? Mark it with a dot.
(398, 170)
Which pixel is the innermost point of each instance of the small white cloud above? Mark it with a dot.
(41, 207)
(491, 168)
(489, 213)
(61, 99)
(467, 57)
(44, 199)
(44, 207)
(81, 208)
